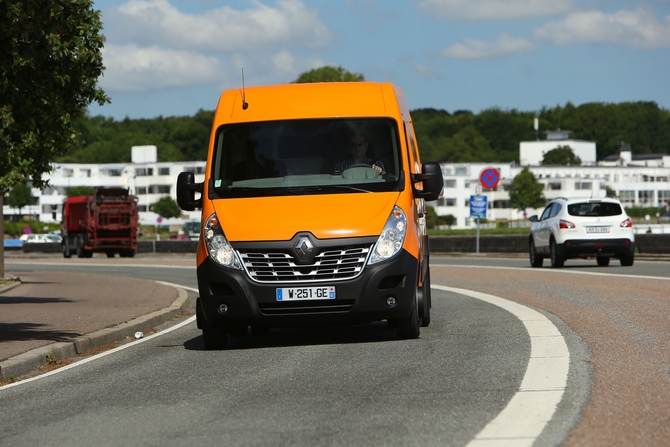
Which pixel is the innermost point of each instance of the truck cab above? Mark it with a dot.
(313, 211)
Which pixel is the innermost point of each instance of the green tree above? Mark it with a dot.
(20, 196)
(49, 68)
(525, 191)
(329, 74)
(448, 220)
(166, 207)
(561, 156)
(77, 191)
(50, 63)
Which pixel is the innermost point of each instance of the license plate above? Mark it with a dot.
(306, 293)
(597, 229)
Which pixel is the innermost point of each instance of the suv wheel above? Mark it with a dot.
(627, 260)
(557, 260)
(603, 261)
(535, 260)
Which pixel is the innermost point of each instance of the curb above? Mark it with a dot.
(25, 363)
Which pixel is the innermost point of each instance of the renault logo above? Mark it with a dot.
(303, 248)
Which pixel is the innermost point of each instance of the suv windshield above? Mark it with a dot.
(306, 156)
(600, 209)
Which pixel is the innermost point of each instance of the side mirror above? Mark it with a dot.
(433, 183)
(533, 218)
(186, 189)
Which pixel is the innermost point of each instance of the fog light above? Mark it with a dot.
(390, 301)
(223, 308)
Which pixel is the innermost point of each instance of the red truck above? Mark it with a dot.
(104, 222)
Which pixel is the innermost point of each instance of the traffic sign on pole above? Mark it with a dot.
(478, 206)
(489, 178)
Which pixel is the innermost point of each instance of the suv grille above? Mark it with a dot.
(329, 264)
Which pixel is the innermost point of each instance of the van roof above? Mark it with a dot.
(312, 100)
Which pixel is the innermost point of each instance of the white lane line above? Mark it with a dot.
(111, 351)
(534, 404)
(551, 270)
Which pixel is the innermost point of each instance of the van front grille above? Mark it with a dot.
(329, 264)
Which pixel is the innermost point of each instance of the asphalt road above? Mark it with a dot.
(361, 386)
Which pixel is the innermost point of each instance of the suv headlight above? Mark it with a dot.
(392, 237)
(218, 247)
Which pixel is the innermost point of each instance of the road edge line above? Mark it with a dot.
(526, 415)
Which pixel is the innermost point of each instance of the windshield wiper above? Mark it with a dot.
(325, 188)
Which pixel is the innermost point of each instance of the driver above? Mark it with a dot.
(358, 147)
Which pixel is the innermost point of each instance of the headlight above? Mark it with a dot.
(218, 246)
(391, 240)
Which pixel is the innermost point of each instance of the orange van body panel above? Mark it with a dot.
(301, 101)
(325, 216)
(280, 218)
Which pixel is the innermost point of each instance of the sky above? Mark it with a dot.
(175, 57)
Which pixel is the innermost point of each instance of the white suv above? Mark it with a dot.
(582, 227)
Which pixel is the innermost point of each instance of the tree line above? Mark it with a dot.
(492, 135)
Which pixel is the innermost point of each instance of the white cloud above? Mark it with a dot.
(636, 29)
(133, 69)
(158, 22)
(425, 71)
(481, 10)
(506, 45)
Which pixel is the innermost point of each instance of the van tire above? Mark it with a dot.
(213, 337)
(410, 327)
(425, 289)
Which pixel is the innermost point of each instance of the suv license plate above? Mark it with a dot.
(305, 293)
(597, 229)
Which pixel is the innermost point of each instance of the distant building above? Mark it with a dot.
(149, 181)
(638, 181)
(531, 153)
(626, 158)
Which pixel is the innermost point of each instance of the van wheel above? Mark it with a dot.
(535, 260)
(557, 260)
(426, 305)
(410, 327)
(603, 261)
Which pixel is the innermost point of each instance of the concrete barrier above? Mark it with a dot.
(646, 244)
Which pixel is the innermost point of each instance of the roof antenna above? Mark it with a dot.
(245, 105)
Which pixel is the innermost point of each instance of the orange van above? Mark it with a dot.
(312, 211)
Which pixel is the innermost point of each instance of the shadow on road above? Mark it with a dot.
(368, 333)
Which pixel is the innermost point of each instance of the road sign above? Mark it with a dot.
(489, 178)
(478, 205)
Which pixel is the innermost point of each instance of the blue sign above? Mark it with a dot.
(478, 205)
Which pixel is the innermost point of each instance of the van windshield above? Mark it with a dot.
(306, 156)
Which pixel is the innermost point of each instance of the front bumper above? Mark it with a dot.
(598, 247)
(359, 300)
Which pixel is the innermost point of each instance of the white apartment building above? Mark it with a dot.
(638, 180)
(149, 181)
(641, 181)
